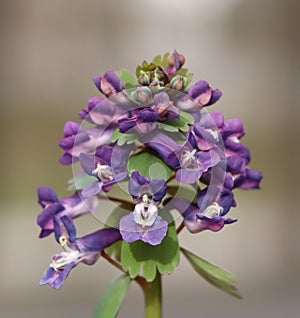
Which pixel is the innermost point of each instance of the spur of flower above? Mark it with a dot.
(151, 146)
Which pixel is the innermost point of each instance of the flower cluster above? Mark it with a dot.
(156, 118)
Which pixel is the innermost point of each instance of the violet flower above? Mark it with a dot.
(86, 249)
(144, 223)
(72, 207)
(76, 140)
(186, 159)
(198, 96)
(109, 84)
(212, 205)
(164, 107)
(141, 121)
(108, 166)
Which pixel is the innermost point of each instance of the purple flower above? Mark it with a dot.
(76, 140)
(92, 103)
(207, 130)
(212, 205)
(144, 223)
(109, 84)
(198, 96)
(141, 121)
(85, 250)
(175, 62)
(108, 165)
(103, 113)
(164, 107)
(249, 179)
(72, 207)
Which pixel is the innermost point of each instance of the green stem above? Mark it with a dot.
(153, 298)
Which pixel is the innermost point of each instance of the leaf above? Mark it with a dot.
(212, 273)
(139, 256)
(112, 298)
(116, 135)
(127, 139)
(80, 181)
(182, 123)
(127, 78)
(161, 60)
(149, 165)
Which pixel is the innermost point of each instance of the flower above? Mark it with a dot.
(108, 84)
(198, 96)
(141, 121)
(72, 207)
(86, 249)
(76, 140)
(101, 112)
(108, 165)
(212, 205)
(186, 159)
(144, 223)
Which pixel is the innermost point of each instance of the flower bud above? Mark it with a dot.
(178, 82)
(144, 78)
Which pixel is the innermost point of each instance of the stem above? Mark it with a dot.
(153, 298)
(180, 228)
(101, 197)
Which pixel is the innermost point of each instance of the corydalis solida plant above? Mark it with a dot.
(151, 132)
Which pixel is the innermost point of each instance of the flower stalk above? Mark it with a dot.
(153, 298)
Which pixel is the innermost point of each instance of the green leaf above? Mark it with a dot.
(127, 139)
(212, 273)
(182, 123)
(116, 135)
(161, 60)
(112, 298)
(149, 165)
(187, 117)
(139, 256)
(127, 78)
(80, 181)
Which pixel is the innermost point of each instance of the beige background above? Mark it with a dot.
(50, 50)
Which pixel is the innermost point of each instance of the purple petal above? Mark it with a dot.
(207, 159)
(66, 159)
(71, 128)
(212, 120)
(250, 179)
(156, 233)
(88, 163)
(236, 164)
(188, 176)
(64, 226)
(109, 84)
(147, 115)
(45, 218)
(128, 229)
(126, 125)
(201, 92)
(56, 279)
(159, 189)
(46, 196)
(98, 240)
(226, 200)
(215, 96)
(92, 189)
(153, 235)
(233, 128)
(118, 178)
(135, 183)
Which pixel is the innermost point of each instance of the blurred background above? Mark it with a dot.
(50, 50)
